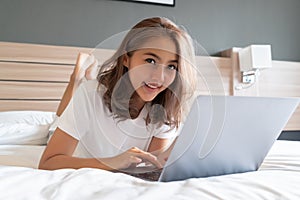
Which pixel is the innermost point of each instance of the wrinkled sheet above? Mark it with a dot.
(277, 178)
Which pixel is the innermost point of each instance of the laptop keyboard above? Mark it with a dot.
(148, 176)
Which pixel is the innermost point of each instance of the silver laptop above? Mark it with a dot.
(225, 135)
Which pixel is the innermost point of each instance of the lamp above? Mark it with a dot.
(252, 59)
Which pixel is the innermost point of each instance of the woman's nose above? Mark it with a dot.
(158, 73)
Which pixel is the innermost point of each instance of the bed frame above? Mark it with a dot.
(34, 76)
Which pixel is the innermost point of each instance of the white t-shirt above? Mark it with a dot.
(88, 120)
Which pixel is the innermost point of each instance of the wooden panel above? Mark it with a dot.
(294, 122)
(34, 72)
(34, 62)
(235, 73)
(225, 69)
(10, 105)
(31, 90)
(215, 75)
(25, 63)
(282, 80)
(279, 81)
(22, 52)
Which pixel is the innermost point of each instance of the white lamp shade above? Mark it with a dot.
(255, 57)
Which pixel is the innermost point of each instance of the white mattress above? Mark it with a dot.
(277, 178)
(21, 155)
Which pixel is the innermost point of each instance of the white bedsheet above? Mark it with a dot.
(278, 178)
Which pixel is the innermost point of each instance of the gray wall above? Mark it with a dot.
(215, 24)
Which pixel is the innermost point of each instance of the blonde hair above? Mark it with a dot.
(113, 75)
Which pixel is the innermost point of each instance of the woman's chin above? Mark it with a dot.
(147, 95)
(147, 99)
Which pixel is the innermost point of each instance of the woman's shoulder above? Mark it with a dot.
(89, 96)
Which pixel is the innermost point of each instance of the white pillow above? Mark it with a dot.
(25, 127)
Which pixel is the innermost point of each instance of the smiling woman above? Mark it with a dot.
(132, 112)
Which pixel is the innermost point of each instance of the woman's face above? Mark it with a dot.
(153, 67)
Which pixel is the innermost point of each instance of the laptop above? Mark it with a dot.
(225, 135)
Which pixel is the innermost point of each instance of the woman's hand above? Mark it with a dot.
(162, 158)
(130, 158)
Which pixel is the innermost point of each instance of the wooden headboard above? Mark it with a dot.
(34, 76)
(282, 80)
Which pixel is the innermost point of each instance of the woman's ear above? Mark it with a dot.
(126, 60)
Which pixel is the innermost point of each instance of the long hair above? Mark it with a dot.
(168, 106)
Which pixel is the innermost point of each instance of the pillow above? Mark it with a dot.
(25, 127)
(52, 127)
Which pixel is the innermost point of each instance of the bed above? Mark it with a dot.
(32, 80)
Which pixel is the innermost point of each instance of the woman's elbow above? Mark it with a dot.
(43, 164)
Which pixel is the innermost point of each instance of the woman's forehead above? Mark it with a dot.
(160, 54)
(161, 44)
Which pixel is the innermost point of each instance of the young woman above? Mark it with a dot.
(133, 110)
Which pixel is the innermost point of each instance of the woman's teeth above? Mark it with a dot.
(151, 86)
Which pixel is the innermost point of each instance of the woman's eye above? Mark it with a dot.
(172, 67)
(150, 60)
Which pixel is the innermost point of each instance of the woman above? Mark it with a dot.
(134, 109)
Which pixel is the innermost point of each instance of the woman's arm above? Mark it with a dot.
(158, 145)
(59, 151)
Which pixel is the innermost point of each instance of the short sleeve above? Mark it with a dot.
(164, 133)
(74, 120)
